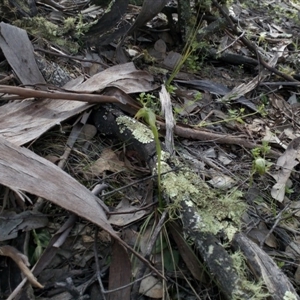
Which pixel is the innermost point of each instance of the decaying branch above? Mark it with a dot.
(264, 268)
(56, 94)
(219, 263)
(107, 121)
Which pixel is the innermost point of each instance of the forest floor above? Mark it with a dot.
(220, 99)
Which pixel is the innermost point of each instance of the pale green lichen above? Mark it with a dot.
(210, 250)
(213, 208)
(289, 296)
(230, 230)
(214, 211)
(140, 132)
(182, 185)
(256, 289)
(39, 26)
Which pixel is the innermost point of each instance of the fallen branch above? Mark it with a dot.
(107, 121)
(57, 95)
(210, 136)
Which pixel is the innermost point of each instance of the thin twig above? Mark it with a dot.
(98, 272)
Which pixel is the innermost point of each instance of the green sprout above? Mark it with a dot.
(149, 116)
(235, 115)
(260, 165)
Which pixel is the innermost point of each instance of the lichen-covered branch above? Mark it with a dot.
(204, 212)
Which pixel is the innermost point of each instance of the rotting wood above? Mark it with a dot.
(219, 263)
(262, 266)
(224, 273)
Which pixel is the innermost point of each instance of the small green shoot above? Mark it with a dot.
(280, 264)
(287, 70)
(149, 116)
(146, 98)
(171, 88)
(289, 191)
(235, 115)
(264, 99)
(41, 240)
(260, 165)
(262, 37)
(198, 96)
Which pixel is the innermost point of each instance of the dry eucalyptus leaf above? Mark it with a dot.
(297, 275)
(222, 182)
(172, 59)
(270, 137)
(87, 133)
(257, 125)
(160, 46)
(259, 235)
(108, 161)
(151, 287)
(125, 76)
(22, 170)
(224, 159)
(53, 158)
(293, 248)
(286, 162)
(129, 216)
(143, 240)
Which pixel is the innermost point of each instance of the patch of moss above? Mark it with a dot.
(215, 211)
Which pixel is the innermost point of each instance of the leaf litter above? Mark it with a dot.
(248, 105)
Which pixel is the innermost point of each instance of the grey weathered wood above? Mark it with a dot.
(264, 268)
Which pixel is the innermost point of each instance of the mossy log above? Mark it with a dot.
(203, 212)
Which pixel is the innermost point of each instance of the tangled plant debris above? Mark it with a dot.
(197, 195)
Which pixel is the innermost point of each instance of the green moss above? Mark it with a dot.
(57, 34)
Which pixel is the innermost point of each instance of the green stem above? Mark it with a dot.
(158, 153)
(150, 118)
